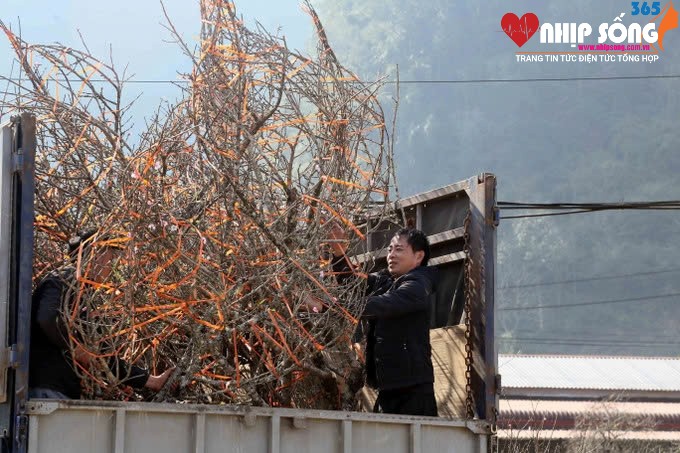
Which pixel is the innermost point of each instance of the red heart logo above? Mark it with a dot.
(520, 29)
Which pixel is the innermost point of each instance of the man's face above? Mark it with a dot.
(401, 258)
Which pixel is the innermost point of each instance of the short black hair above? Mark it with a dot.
(82, 238)
(418, 241)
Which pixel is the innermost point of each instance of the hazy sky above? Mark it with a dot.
(134, 31)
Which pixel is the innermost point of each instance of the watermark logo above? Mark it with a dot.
(669, 22)
(520, 29)
(636, 34)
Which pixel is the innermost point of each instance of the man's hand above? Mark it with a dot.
(156, 383)
(337, 239)
(359, 352)
(82, 356)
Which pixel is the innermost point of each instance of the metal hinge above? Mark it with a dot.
(21, 429)
(17, 161)
(13, 357)
(9, 357)
(18, 156)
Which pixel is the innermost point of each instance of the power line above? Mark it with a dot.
(575, 341)
(590, 343)
(590, 279)
(412, 81)
(124, 81)
(593, 343)
(580, 208)
(582, 304)
(670, 204)
(600, 336)
(539, 79)
(551, 214)
(586, 338)
(552, 335)
(573, 334)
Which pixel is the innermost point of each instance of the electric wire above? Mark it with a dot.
(590, 303)
(420, 81)
(591, 279)
(580, 208)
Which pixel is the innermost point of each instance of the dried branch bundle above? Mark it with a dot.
(224, 208)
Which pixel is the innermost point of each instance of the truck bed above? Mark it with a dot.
(118, 427)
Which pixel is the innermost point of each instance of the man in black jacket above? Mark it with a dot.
(396, 322)
(52, 360)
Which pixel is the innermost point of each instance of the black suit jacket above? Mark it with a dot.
(396, 324)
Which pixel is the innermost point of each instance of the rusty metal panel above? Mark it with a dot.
(440, 213)
(483, 259)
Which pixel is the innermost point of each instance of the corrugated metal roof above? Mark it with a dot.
(555, 434)
(594, 373)
(574, 408)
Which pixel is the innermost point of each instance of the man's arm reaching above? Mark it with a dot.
(410, 297)
(137, 377)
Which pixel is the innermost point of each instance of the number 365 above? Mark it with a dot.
(645, 10)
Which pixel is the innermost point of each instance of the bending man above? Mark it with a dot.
(51, 364)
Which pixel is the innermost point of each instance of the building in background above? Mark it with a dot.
(589, 402)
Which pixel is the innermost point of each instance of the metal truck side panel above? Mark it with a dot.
(5, 247)
(18, 141)
(85, 426)
(120, 427)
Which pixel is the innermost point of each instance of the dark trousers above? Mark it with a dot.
(416, 400)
